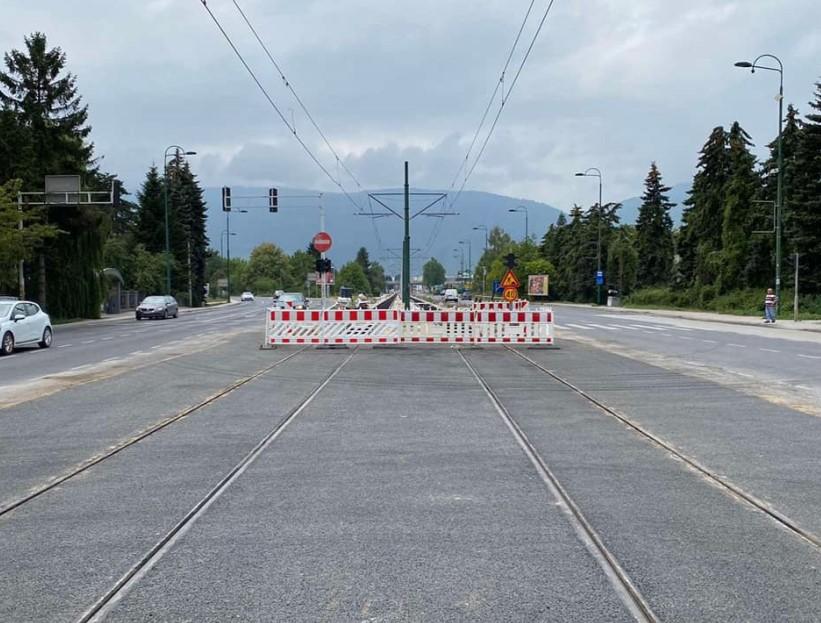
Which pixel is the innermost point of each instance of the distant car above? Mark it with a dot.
(157, 307)
(466, 295)
(451, 295)
(344, 298)
(291, 300)
(23, 323)
(246, 296)
(277, 294)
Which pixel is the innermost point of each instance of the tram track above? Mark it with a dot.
(734, 490)
(100, 608)
(624, 587)
(140, 436)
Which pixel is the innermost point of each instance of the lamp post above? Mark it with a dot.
(780, 188)
(179, 152)
(594, 172)
(470, 258)
(522, 209)
(461, 256)
(228, 248)
(484, 272)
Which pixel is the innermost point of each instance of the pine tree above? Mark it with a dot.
(654, 233)
(739, 193)
(700, 237)
(805, 209)
(150, 230)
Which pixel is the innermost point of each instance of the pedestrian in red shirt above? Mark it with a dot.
(770, 302)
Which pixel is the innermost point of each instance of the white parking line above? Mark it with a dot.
(809, 356)
(769, 350)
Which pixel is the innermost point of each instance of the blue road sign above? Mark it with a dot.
(497, 287)
(599, 277)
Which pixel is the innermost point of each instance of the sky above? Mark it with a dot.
(609, 84)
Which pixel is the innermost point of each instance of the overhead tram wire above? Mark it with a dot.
(339, 161)
(499, 84)
(505, 97)
(290, 127)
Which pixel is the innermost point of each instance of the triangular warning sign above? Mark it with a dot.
(510, 280)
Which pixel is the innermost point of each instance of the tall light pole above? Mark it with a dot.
(461, 256)
(228, 248)
(484, 270)
(223, 236)
(594, 172)
(522, 209)
(470, 258)
(780, 190)
(179, 151)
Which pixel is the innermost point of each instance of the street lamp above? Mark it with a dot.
(594, 172)
(779, 192)
(484, 229)
(179, 152)
(461, 256)
(522, 209)
(470, 258)
(228, 248)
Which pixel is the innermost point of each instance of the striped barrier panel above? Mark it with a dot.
(336, 326)
(387, 326)
(520, 304)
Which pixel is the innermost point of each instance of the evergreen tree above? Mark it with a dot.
(654, 233)
(150, 229)
(700, 238)
(739, 194)
(623, 259)
(805, 209)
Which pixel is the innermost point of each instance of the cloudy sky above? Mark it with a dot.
(610, 83)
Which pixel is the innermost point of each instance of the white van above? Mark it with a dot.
(451, 295)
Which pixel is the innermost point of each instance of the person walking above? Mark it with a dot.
(769, 306)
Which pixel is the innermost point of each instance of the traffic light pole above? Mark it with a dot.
(406, 245)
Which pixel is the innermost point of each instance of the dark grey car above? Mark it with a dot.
(157, 307)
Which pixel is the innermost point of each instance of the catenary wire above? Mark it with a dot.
(505, 97)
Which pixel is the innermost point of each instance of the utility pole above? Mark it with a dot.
(406, 245)
(228, 252)
(21, 276)
(795, 297)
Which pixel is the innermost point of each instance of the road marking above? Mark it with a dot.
(624, 326)
(105, 339)
(644, 326)
(578, 326)
(601, 326)
(769, 350)
(65, 345)
(137, 352)
(809, 356)
(665, 334)
(88, 341)
(709, 341)
(684, 337)
(737, 345)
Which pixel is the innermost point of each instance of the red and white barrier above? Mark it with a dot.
(520, 304)
(387, 326)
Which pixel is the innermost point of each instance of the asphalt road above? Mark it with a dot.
(388, 484)
(89, 343)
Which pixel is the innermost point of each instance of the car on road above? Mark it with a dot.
(246, 296)
(291, 300)
(451, 295)
(23, 323)
(344, 298)
(466, 295)
(157, 307)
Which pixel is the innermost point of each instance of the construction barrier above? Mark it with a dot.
(520, 304)
(388, 326)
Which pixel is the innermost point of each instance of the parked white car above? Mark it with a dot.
(246, 296)
(23, 323)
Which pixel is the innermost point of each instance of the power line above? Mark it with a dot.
(290, 127)
(505, 97)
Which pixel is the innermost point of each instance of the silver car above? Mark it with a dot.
(157, 307)
(23, 323)
(291, 300)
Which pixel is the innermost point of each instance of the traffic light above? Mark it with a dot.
(273, 203)
(323, 265)
(226, 199)
(510, 260)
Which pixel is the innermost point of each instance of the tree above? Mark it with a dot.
(623, 259)
(654, 233)
(805, 211)
(739, 193)
(150, 227)
(268, 269)
(299, 265)
(433, 273)
(352, 276)
(700, 238)
(189, 241)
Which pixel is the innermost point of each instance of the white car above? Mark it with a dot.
(246, 296)
(23, 323)
(451, 295)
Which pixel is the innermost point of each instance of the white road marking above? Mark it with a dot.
(65, 345)
(709, 341)
(769, 350)
(684, 337)
(644, 326)
(737, 345)
(601, 326)
(624, 326)
(809, 356)
(665, 334)
(137, 352)
(105, 339)
(578, 326)
(88, 341)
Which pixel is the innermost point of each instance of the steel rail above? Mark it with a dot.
(101, 607)
(96, 460)
(737, 492)
(633, 600)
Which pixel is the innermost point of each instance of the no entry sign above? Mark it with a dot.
(322, 242)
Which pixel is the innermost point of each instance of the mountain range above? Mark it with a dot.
(348, 220)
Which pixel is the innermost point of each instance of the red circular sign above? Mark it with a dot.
(322, 242)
